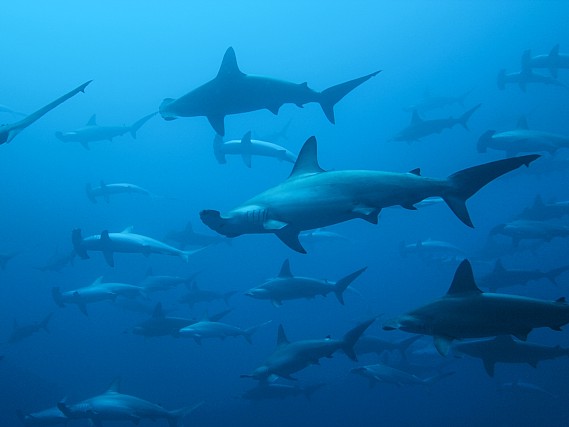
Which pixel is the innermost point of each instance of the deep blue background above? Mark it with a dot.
(138, 53)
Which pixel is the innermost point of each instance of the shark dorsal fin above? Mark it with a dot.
(416, 171)
(158, 312)
(285, 269)
(115, 386)
(498, 266)
(307, 160)
(281, 337)
(92, 120)
(415, 118)
(522, 123)
(246, 140)
(463, 281)
(229, 67)
(97, 281)
(554, 52)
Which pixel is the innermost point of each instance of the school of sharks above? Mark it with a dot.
(502, 310)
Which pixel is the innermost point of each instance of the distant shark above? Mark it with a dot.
(115, 406)
(271, 390)
(9, 131)
(542, 211)
(290, 357)
(522, 229)
(58, 261)
(381, 372)
(106, 190)
(504, 349)
(208, 328)
(47, 417)
(552, 61)
(500, 277)
(466, 312)
(312, 198)
(126, 242)
(189, 237)
(525, 77)
(419, 128)
(287, 287)
(247, 147)
(234, 92)
(20, 332)
(433, 102)
(92, 132)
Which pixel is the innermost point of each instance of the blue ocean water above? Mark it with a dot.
(137, 54)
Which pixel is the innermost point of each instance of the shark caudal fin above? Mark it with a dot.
(342, 284)
(463, 120)
(352, 336)
(175, 416)
(331, 96)
(138, 124)
(467, 182)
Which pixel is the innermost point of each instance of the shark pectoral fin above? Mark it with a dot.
(489, 366)
(109, 258)
(246, 159)
(83, 308)
(370, 214)
(217, 123)
(442, 344)
(289, 236)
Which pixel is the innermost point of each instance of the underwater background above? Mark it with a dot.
(139, 52)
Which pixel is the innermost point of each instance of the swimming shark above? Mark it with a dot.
(115, 406)
(286, 286)
(522, 229)
(125, 242)
(92, 132)
(500, 277)
(106, 190)
(433, 102)
(381, 372)
(432, 249)
(290, 357)
(552, 61)
(47, 417)
(312, 198)
(247, 147)
(196, 295)
(97, 291)
(9, 131)
(542, 211)
(234, 92)
(154, 283)
(525, 77)
(420, 128)
(208, 328)
(467, 312)
(20, 332)
(504, 349)
(525, 387)
(188, 237)
(521, 140)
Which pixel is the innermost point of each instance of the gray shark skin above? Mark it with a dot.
(552, 61)
(266, 390)
(234, 92)
(290, 357)
(188, 237)
(430, 102)
(369, 344)
(92, 132)
(205, 329)
(467, 312)
(500, 277)
(504, 349)
(47, 417)
(115, 406)
(523, 229)
(313, 198)
(247, 147)
(420, 128)
(58, 262)
(286, 286)
(387, 374)
(521, 140)
(20, 332)
(541, 211)
(525, 77)
(9, 131)
(197, 295)
(124, 242)
(106, 190)
(159, 325)
(432, 249)
(97, 291)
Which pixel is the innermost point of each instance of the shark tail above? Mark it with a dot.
(343, 284)
(467, 182)
(331, 96)
(463, 120)
(352, 336)
(551, 275)
(176, 415)
(138, 124)
(57, 297)
(482, 144)
(248, 333)
(217, 152)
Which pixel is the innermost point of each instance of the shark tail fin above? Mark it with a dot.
(343, 284)
(175, 416)
(248, 333)
(463, 120)
(217, 152)
(352, 336)
(467, 182)
(138, 124)
(331, 96)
